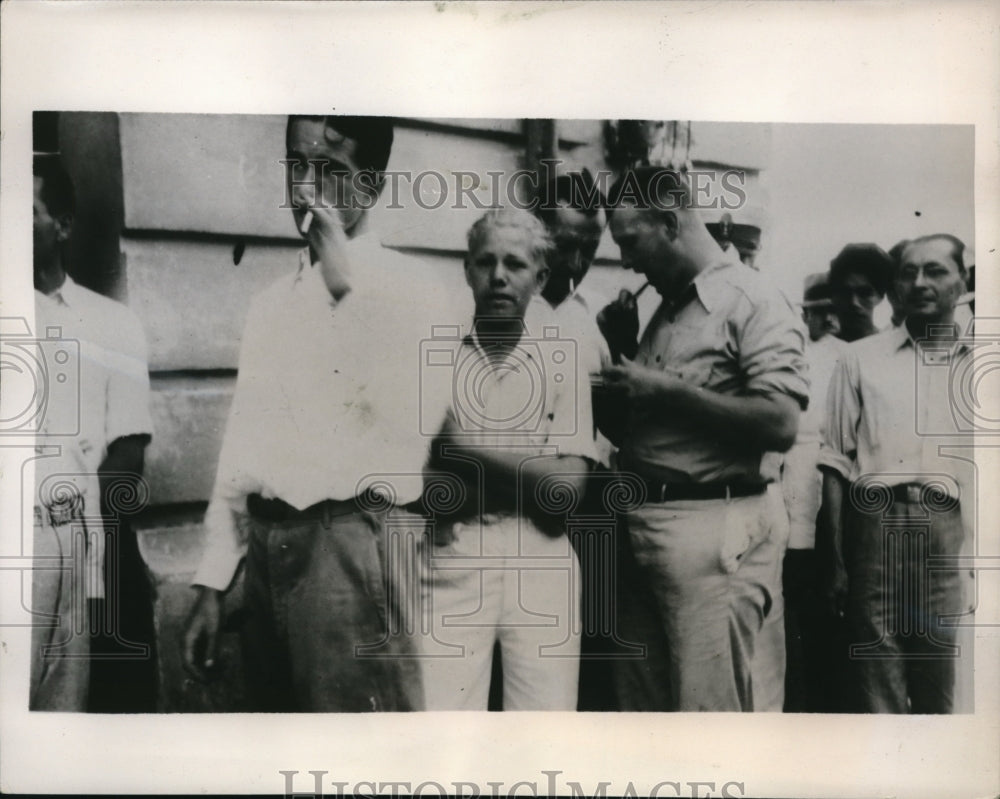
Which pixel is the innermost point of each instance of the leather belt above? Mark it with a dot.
(919, 493)
(669, 492)
(278, 511)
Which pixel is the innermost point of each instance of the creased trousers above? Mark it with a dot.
(904, 604)
(704, 575)
(502, 581)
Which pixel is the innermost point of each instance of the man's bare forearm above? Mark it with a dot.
(830, 522)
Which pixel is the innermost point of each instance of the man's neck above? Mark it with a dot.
(556, 293)
(937, 327)
(700, 254)
(498, 335)
(50, 279)
(857, 334)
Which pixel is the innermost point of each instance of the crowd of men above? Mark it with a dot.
(544, 501)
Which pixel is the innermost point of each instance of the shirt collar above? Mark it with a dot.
(67, 294)
(537, 317)
(703, 285)
(900, 338)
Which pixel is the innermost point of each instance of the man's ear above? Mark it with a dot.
(671, 223)
(541, 278)
(64, 227)
(465, 269)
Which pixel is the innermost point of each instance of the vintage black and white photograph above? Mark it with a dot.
(327, 412)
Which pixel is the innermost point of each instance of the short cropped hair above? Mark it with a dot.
(896, 255)
(957, 252)
(57, 186)
(373, 136)
(869, 260)
(576, 190)
(653, 188)
(539, 241)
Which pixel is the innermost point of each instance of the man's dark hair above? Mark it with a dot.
(652, 188)
(957, 252)
(57, 187)
(869, 260)
(576, 190)
(372, 134)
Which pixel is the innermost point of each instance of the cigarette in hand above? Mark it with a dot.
(644, 287)
(307, 221)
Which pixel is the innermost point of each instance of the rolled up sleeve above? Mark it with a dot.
(843, 414)
(772, 350)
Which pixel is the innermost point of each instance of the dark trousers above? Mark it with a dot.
(816, 656)
(331, 615)
(903, 604)
(123, 670)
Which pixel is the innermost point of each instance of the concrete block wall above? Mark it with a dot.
(189, 225)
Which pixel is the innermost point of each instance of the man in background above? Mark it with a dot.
(859, 279)
(572, 207)
(807, 682)
(892, 500)
(114, 428)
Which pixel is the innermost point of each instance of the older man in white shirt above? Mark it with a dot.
(897, 510)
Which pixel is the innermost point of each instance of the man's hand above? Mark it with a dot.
(618, 322)
(201, 634)
(329, 241)
(640, 385)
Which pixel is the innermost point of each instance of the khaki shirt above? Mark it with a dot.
(729, 332)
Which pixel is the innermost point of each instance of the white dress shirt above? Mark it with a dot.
(329, 395)
(104, 394)
(893, 412)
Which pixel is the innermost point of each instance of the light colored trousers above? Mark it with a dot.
(770, 653)
(501, 581)
(60, 635)
(705, 574)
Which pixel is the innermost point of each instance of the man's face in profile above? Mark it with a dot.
(821, 321)
(576, 237)
(49, 232)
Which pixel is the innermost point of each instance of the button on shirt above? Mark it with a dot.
(329, 395)
(731, 333)
(891, 407)
(103, 395)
